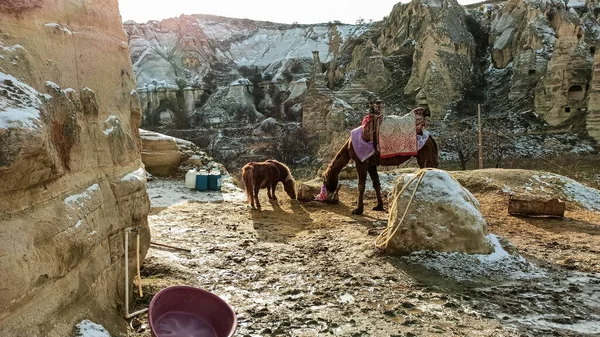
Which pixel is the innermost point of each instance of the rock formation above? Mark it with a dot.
(442, 216)
(71, 178)
(322, 112)
(190, 46)
(527, 62)
(160, 153)
(549, 47)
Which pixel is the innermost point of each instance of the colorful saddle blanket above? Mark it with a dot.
(397, 136)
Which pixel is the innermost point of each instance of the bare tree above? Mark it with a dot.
(292, 147)
(461, 139)
(496, 148)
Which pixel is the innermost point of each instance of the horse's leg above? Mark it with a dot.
(256, 189)
(377, 186)
(269, 192)
(273, 187)
(361, 168)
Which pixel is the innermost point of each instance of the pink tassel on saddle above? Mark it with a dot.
(323, 195)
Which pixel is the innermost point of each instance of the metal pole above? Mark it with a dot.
(480, 147)
(127, 314)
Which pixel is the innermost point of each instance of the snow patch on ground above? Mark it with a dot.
(587, 197)
(466, 267)
(169, 192)
(87, 328)
(387, 180)
(12, 48)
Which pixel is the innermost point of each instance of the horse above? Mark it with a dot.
(267, 174)
(427, 156)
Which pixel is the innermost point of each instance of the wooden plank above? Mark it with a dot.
(551, 208)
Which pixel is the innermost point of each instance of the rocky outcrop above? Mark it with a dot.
(549, 48)
(434, 34)
(443, 51)
(190, 46)
(593, 118)
(323, 114)
(166, 156)
(168, 105)
(528, 63)
(160, 153)
(71, 178)
(442, 216)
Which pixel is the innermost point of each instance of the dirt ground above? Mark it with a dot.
(311, 269)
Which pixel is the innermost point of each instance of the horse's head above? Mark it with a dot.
(330, 181)
(289, 186)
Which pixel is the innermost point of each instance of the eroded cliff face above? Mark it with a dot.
(549, 45)
(212, 55)
(528, 63)
(71, 177)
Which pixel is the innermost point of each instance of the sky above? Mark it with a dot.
(281, 11)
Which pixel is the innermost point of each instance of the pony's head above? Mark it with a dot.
(289, 186)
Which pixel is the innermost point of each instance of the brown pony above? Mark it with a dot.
(267, 174)
(426, 157)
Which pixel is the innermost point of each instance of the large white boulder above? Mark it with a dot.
(442, 216)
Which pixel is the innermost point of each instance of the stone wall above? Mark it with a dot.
(71, 178)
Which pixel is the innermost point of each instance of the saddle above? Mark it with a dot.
(372, 124)
(394, 135)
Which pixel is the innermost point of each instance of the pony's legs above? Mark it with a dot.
(361, 168)
(269, 192)
(377, 186)
(256, 189)
(273, 187)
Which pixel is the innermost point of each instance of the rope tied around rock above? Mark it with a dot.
(384, 238)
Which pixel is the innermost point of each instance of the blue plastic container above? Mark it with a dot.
(202, 181)
(214, 181)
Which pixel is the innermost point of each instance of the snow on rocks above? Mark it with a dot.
(80, 198)
(139, 174)
(19, 105)
(111, 124)
(587, 197)
(444, 216)
(87, 328)
(58, 27)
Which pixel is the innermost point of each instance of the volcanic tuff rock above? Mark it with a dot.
(443, 216)
(71, 178)
(517, 58)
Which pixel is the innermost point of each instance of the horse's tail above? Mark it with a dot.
(428, 156)
(435, 154)
(247, 178)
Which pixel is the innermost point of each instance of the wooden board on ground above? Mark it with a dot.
(535, 207)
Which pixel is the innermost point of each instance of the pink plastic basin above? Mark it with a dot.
(183, 311)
